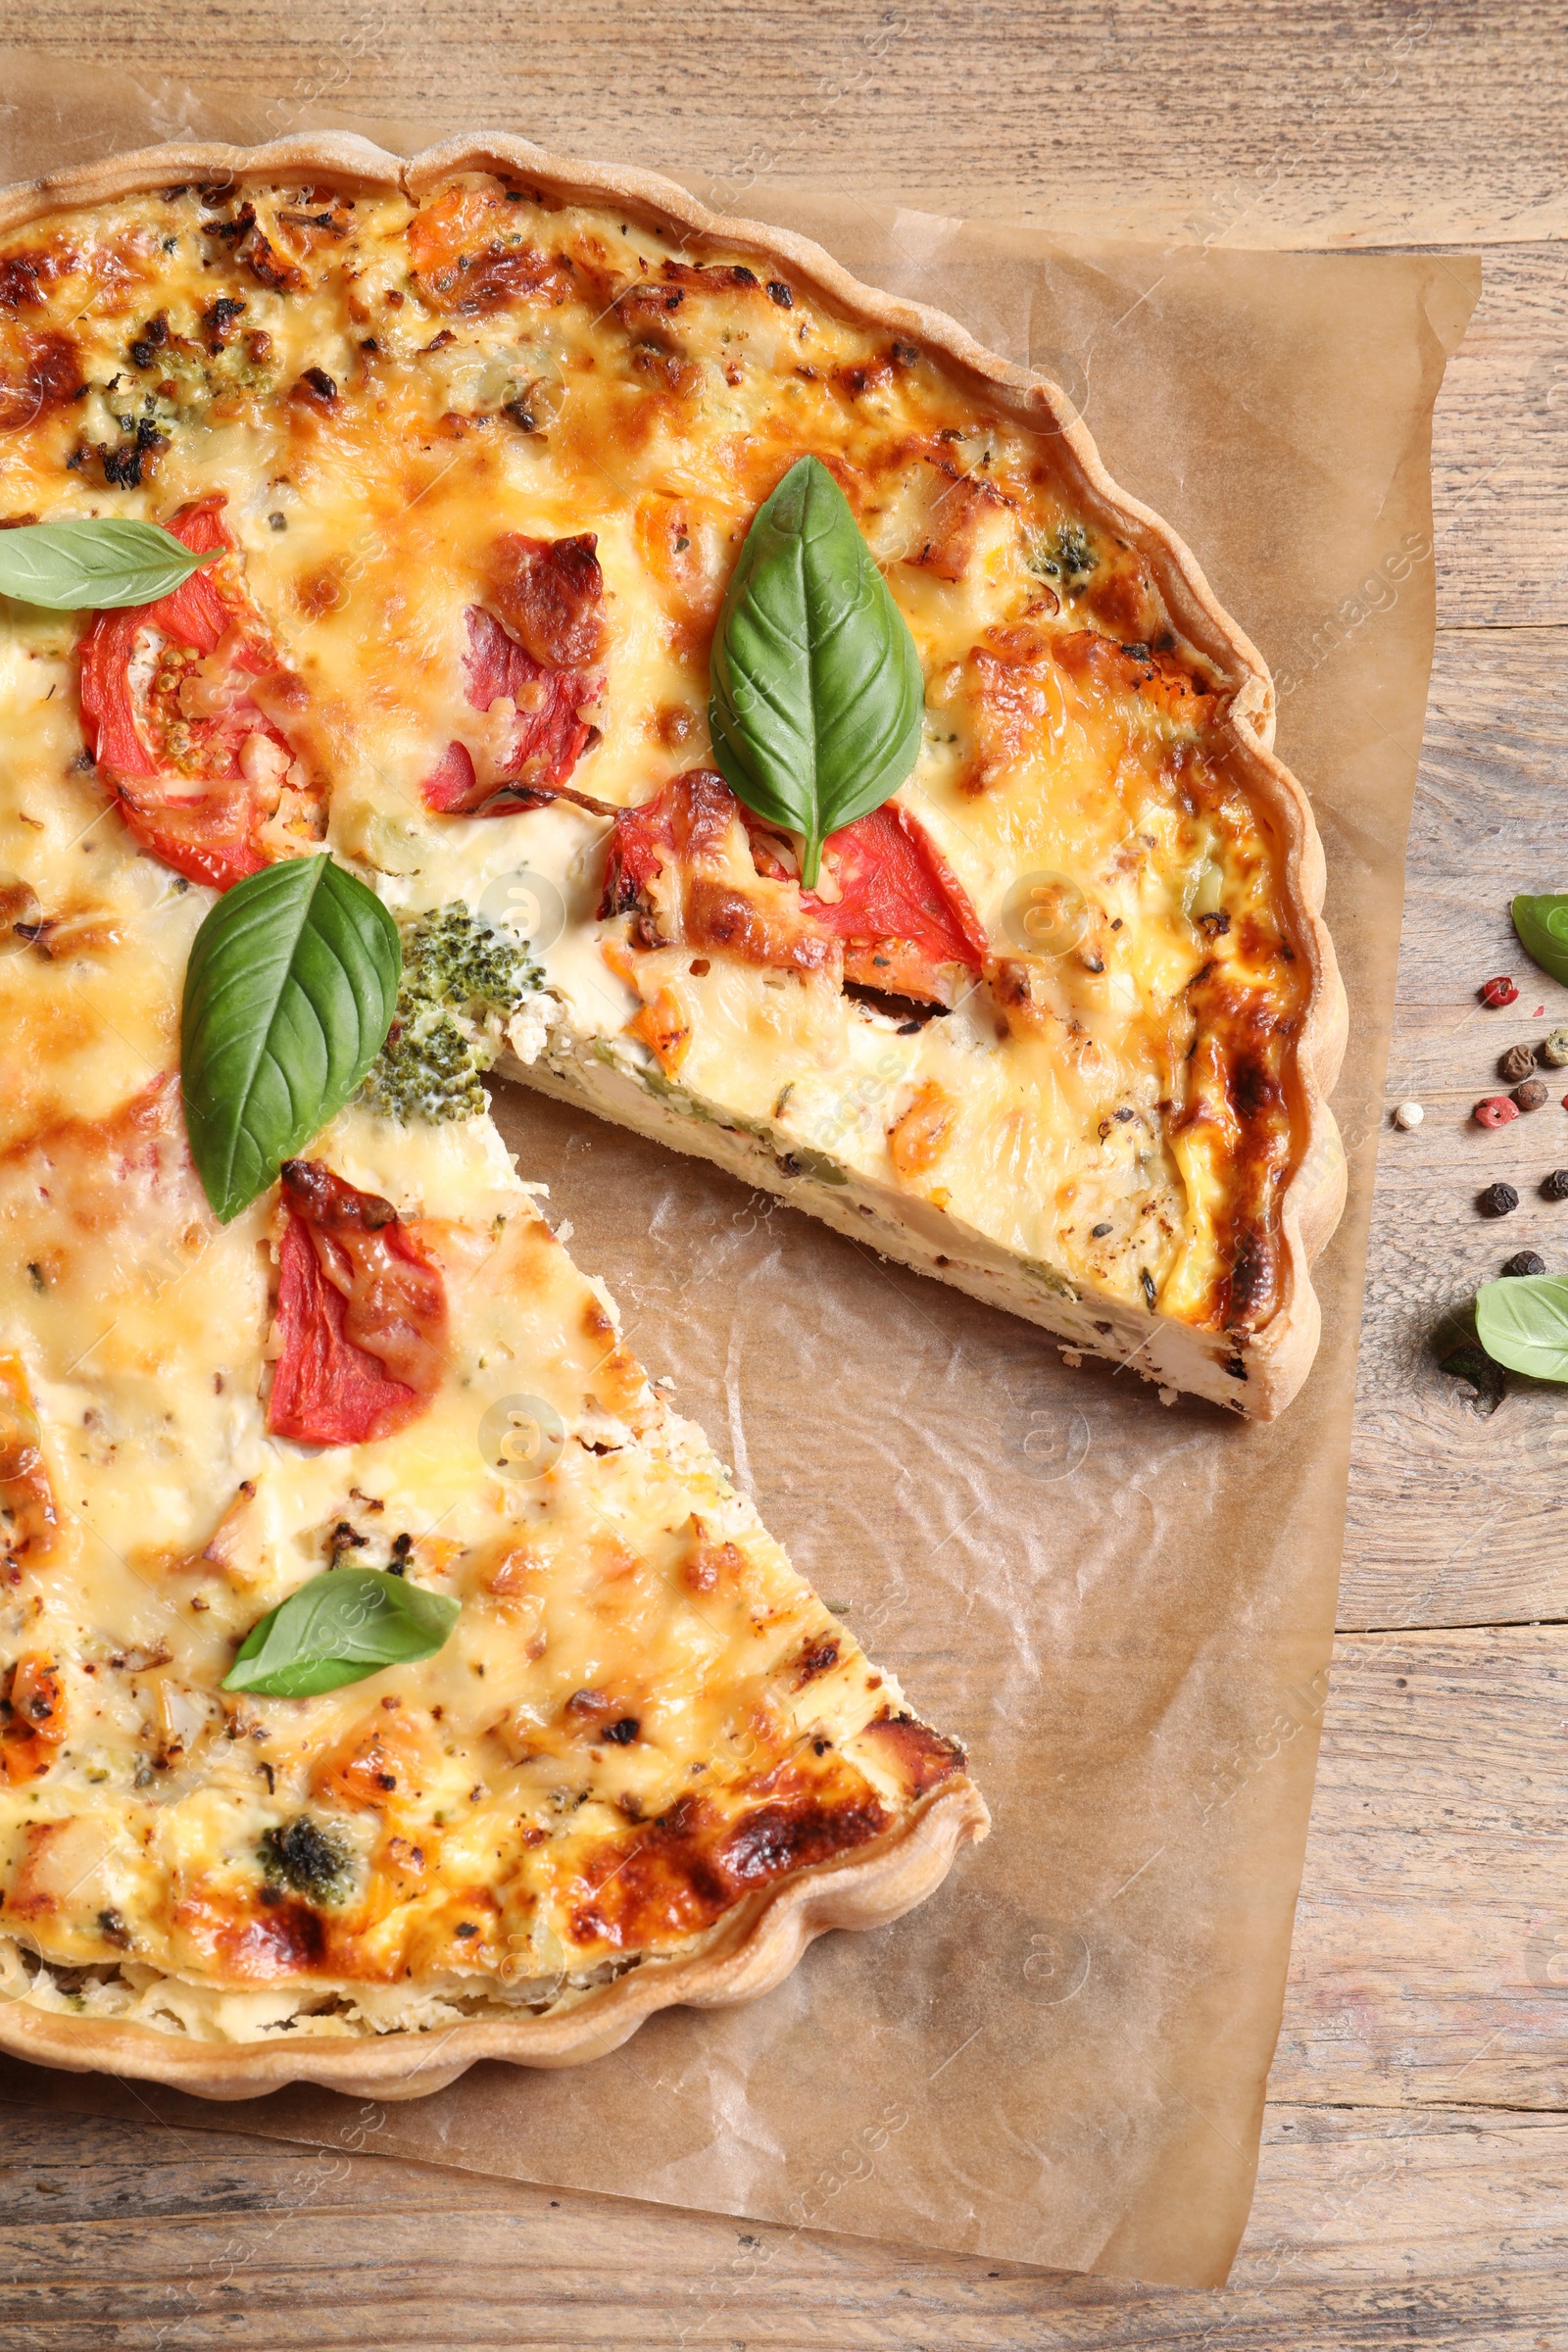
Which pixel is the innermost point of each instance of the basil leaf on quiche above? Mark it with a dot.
(1542, 928)
(1522, 1322)
(343, 1625)
(290, 993)
(94, 562)
(818, 691)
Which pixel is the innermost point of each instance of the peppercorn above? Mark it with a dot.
(1532, 1095)
(1517, 1062)
(1499, 991)
(1556, 1187)
(1495, 1111)
(1525, 1262)
(1554, 1048)
(1501, 1200)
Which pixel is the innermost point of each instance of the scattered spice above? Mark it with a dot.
(1408, 1115)
(1553, 1048)
(1499, 991)
(1525, 1262)
(1532, 1095)
(1501, 1200)
(1555, 1185)
(1495, 1111)
(1517, 1062)
(1471, 1362)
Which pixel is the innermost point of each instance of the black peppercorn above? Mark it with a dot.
(1525, 1262)
(1501, 1200)
(1556, 1187)
(1532, 1095)
(1517, 1062)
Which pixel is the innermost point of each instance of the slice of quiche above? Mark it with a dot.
(644, 1766)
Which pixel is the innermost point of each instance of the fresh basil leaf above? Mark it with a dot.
(290, 993)
(1523, 1322)
(343, 1625)
(1542, 928)
(818, 689)
(94, 561)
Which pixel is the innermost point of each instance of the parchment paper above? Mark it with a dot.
(1124, 1611)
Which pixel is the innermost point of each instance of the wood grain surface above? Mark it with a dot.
(1414, 2179)
(1344, 122)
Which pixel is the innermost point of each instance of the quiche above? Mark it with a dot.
(391, 1678)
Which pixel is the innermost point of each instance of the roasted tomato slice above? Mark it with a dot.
(532, 671)
(361, 1315)
(901, 915)
(203, 776)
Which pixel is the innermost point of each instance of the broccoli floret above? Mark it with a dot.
(459, 958)
(312, 1860)
(463, 978)
(1064, 554)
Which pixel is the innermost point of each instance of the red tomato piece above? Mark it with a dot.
(641, 842)
(902, 911)
(361, 1315)
(198, 768)
(539, 658)
(904, 918)
(685, 821)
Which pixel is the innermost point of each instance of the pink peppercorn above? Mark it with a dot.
(1495, 1111)
(1500, 991)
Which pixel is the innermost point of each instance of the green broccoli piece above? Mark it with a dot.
(314, 1861)
(463, 979)
(1064, 554)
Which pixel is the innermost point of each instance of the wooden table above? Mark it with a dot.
(1415, 2180)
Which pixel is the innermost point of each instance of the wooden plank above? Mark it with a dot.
(1344, 123)
(1368, 2231)
(1451, 1513)
(1430, 1964)
(1499, 450)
